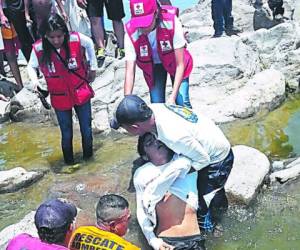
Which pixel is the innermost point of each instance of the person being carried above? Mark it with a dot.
(60, 55)
(171, 221)
(112, 218)
(186, 133)
(155, 42)
(53, 220)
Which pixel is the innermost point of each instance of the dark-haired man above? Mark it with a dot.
(112, 217)
(53, 220)
(186, 133)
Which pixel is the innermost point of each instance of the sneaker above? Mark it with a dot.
(120, 53)
(217, 34)
(100, 55)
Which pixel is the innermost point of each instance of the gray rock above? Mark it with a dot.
(291, 172)
(247, 175)
(26, 225)
(17, 178)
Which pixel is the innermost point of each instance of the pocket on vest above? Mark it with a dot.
(60, 101)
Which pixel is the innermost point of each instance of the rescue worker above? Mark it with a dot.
(155, 42)
(60, 55)
(112, 217)
(53, 220)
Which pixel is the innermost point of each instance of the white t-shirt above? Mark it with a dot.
(170, 177)
(178, 42)
(203, 141)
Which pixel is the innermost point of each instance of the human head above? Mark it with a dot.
(143, 12)
(54, 32)
(153, 150)
(133, 114)
(53, 220)
(113, 214)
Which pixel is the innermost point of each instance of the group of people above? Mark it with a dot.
(187, 158)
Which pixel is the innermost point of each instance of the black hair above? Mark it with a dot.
(54, 22)
(53, 235)
(110, 206)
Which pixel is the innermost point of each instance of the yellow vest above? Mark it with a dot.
(93, 238)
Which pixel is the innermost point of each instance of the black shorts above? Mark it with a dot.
(194, 242)
(114, 9)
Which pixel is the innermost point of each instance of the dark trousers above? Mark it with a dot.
(64, 118)
(18, 20)
(221, 15)
(211, 178)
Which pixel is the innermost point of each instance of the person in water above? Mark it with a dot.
(60, 55)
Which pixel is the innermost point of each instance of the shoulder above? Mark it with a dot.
(145, 174)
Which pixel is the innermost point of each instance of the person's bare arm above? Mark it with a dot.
(3, 19)
(61, 10)
(179, 56)
(82, 3)
(129, 77)
(27, 16)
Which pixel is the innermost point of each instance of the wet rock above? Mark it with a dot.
(291, 172)
(17, 178)
(26, 225)
(249, 170)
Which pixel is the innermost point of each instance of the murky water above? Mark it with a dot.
(273, 222)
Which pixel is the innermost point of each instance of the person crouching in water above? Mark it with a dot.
(155, 42)
(60, 55)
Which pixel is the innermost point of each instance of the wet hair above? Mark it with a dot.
(54, 22)
(53, 235)
(110, 207)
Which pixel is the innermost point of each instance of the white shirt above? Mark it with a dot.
(203, 141)
(178, 42)
(170, 177)
(85, 42)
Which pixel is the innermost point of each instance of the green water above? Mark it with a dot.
(273, 222)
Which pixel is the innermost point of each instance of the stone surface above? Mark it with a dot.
(26, 225)
(247, 175)
(17, 178)
(291, 172)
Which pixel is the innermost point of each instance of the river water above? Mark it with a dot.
(272, 222)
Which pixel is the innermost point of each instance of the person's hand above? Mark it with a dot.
(4, 21)
(91, 75)
(165, 246)
(171, 99)
(3, 98)
(28, 19)
(82, 3)
(65, 16)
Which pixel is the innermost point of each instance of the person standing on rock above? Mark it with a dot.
(186, 133)
(113, 216)
(222, 17)
(53, 220)
(155, 42)
(60, 55)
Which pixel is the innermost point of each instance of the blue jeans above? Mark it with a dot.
(158, 92)
(84, 114)
(221, 15)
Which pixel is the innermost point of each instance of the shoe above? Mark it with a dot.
(120, 53)
(100, 55)
(217, 34)
(232, 31)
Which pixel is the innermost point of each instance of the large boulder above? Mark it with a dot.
(17, 178)
(26, 225)
(247, 175)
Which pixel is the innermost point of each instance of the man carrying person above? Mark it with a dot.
(112, 218)
(186, 133)
(171, 221)
(53, 220)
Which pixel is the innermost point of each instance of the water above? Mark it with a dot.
(272, 222)
(181, 4)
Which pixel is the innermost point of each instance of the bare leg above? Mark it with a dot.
(12, 61)
(119, 32)
(97, 31)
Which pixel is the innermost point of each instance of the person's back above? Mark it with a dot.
(26, 241)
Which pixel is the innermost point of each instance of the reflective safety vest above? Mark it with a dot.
(93, 238)
(165, 49)
(66, 89)
(26, 241)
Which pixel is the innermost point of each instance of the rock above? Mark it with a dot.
(262, 19)
(249, 170)
(26, 225)
(291, 172)
(17, 178)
